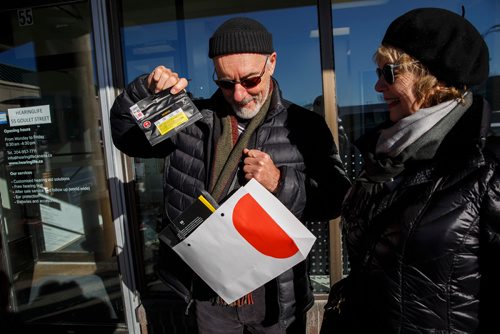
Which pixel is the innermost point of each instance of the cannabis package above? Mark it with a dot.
(162, 115)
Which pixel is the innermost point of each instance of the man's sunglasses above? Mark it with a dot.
(388, 72)
(246, 83)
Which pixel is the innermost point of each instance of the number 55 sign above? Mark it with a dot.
(25, 17)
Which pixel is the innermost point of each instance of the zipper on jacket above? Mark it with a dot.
(190, 298)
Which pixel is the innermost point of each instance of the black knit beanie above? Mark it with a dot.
(446, 43)
(240, 35)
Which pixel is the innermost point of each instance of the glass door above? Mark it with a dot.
(175, 34)
(58, 239)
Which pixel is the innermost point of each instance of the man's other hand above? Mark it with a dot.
(259, 166)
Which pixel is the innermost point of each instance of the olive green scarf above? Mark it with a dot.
(229, 148)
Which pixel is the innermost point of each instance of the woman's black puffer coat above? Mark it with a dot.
(424, 248)
(312, 185)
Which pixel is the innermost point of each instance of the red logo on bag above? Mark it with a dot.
(260, 230)
(146, 124)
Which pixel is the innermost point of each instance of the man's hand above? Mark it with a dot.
(260, 166)
(163, 78)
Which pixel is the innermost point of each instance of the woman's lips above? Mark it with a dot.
(392, 102)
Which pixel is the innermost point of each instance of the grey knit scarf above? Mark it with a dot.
(381, 167)
(394, 140)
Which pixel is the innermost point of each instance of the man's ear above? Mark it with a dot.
(272, 62)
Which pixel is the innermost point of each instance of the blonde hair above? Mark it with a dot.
(428, 89)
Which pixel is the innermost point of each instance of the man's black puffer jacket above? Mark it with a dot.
(312, 185)
(424, 248)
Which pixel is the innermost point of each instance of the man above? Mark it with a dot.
(247, 131)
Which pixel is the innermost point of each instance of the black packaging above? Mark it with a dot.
(162, 115)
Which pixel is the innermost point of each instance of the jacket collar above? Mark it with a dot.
(461, 149)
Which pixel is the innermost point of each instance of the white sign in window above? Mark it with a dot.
(29, 115)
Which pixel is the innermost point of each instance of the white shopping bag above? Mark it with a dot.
(249, 240)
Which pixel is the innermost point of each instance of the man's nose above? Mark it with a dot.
(239, 92)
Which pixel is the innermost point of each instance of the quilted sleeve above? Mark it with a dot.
(490, 255)
(127, 136)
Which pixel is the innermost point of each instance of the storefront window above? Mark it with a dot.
(359, 27)
(175, 34)
(358, 30)
(56, 226)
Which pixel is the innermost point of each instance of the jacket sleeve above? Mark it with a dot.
(489, 255)
(324, 183)
(127, 136)
(327, 182)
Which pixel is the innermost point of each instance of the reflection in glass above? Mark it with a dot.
(360, 26)
(176, 34)
(57, 231)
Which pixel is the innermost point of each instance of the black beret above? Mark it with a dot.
(240, 35)
(446, 43)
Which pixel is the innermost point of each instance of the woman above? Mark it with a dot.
(422, 222)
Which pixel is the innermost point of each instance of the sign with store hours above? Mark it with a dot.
(29, 115)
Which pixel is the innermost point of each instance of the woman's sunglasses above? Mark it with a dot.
(246, 83)
(388, 72)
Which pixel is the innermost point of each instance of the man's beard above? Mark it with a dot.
(249, 113)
